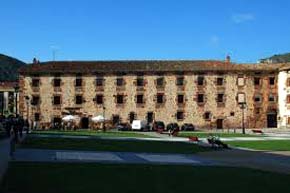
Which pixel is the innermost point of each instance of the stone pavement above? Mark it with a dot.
(4, 156)
(262, 160)
(41, 155)
(254, 138)
(165, 137)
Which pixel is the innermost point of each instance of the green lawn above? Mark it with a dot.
(92, 133)
(108, 178)
(274, 145)
(206, 134)
(112, 145)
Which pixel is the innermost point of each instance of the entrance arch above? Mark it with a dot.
(84, 123)
(272, 120)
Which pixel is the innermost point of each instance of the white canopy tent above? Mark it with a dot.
(69, 118)
(98, 119)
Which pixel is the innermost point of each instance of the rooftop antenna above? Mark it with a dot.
(54, 50)
(53, 54)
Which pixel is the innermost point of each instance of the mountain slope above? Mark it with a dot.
(278, 58)
(9, 67)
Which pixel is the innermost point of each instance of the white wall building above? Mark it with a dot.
(284, 98)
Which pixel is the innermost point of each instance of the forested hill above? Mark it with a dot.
(279, 58)
(9, 67)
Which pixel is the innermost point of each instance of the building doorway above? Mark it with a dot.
(116, 119)
(132, 117)
(150, 117)
(56, 123)
(219, 123)
(272, 120)
(85, 123)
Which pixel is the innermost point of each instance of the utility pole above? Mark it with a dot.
(243, 107)
(16, 89)
(104, 124)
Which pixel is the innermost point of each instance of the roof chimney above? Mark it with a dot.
(35, 61)
(228, 59)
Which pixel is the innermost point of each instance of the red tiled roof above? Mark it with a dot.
(142, 66)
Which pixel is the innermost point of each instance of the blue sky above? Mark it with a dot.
(144, 29)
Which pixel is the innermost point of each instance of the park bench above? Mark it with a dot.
(257, 131)
(193, 138)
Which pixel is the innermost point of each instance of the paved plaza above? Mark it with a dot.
(40, 155)
(264, 160)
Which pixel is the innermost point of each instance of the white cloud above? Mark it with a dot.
(242, 17)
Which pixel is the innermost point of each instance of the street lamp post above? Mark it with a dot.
(16, 89)
(243, 106)
(27, 106)
(104, 124)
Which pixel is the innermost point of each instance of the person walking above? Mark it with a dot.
(20, 125)
(15, 129)
(12, 144)
(7, 126)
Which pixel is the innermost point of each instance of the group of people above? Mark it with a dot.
(13, 127)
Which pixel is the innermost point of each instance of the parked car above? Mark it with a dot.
(158, 125)
(124, 127)
(172, 126)
(140, 125)
(187, 127)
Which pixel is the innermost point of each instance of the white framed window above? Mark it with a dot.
(241, 81)
(241, 98)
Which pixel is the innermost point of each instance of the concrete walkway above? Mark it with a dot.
(176, 139)
(41, 155)
(163, 138)
(4, 156)
(253, 138)
(262, 160)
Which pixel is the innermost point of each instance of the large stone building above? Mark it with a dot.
(208, 94)
(8, 98)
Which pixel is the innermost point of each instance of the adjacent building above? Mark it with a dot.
(284, 97)
(209, 94)
(8, 98)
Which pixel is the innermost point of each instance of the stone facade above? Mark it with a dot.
(8, 98)
(284, 98)
(218, 108)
